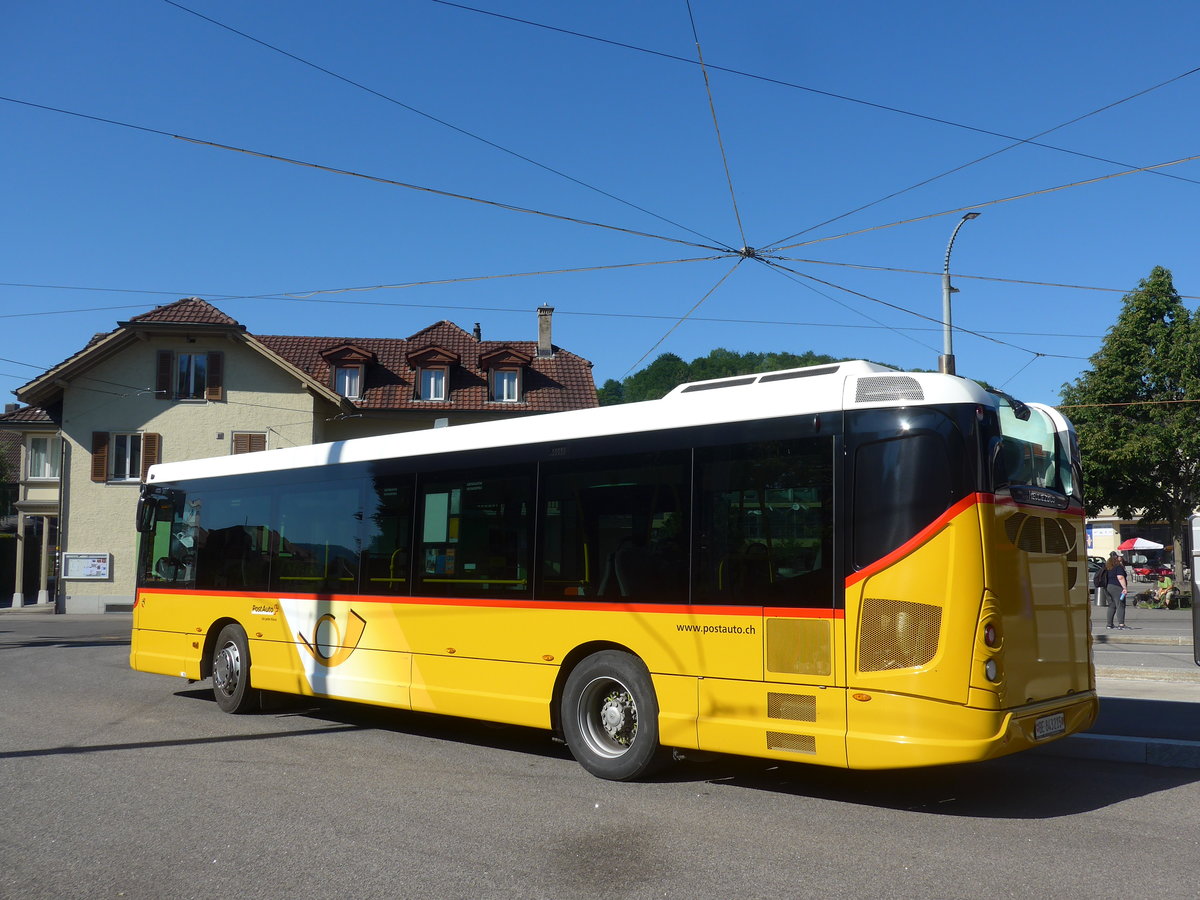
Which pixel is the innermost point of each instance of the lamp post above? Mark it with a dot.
(946, 360)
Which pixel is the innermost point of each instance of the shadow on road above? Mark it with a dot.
(1023, 786)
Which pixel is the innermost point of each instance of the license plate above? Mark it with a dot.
(1049, 726)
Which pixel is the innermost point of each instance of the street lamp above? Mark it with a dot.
(946, 360)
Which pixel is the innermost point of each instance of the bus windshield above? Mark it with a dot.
(1036, 450)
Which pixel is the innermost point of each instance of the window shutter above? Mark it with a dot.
(249, 442)
(100, 456)
(151, 451)
(214, 388)
(162, 380)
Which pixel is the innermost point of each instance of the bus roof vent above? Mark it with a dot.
(717, 385)
(875, 388)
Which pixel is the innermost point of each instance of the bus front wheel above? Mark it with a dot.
(231, 671)
(609, 717)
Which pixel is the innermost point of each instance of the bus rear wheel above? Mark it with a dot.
(609, 717)
(231, 671)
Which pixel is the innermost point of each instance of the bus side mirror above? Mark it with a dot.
(145, 513)
(153, 506)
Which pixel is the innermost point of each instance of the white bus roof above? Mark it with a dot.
(815, 389)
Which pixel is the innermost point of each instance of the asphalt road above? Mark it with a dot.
(119, 784)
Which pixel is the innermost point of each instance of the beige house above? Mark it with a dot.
(185, 381)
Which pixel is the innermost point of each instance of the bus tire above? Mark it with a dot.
(609, 717)
(231, 671)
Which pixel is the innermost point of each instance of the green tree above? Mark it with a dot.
(1134, 412)
(669, 371)
(612, 392)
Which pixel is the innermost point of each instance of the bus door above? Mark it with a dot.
(764, 543)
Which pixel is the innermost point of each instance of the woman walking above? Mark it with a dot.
(1115, 570)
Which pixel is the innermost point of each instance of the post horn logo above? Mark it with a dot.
(339, 645)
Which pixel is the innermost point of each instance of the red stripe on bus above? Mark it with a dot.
(492, 603)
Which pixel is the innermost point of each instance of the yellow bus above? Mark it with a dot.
(845, 565)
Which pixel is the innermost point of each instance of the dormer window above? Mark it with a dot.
(432, 378)
(506, 372)
(433, 383)
(348, 369)
(506, 385)
(347, 381)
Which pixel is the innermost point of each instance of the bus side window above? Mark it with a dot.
(617, 529)
(473, 536)
(765, 524)
(387, 537)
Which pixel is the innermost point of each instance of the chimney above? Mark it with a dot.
(477, 332)
(545, 347)
(11, 408)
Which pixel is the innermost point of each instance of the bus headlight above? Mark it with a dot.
(991, 670)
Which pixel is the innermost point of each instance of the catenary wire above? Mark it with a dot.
(436, 119)
(586, 313)
(811, 90)
(1052, 284)
(375, 178)
(948, 212)
(780, 270)
(712, 107)
(910, 312)
(685, 316)
(1015, 143)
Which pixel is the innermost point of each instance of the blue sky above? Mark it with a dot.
(99, 216)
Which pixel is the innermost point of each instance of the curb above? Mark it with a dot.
(1172, 640)
(27, 608)
(1118, 748)
(1132, 673)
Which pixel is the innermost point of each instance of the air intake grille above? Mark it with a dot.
(794, 707)
(1034, 534)
(887, 387)
(897, 634)
(1056, 541)
(791, 743)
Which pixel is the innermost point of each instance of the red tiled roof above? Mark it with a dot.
(550, 384)
(27, 414)
(559, 382)
(188, 311)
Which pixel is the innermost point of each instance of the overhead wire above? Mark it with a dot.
(806, 88)
(919, 315)
(374, 178)
(712, 107)
(1016, 143)
(1062, 187)
(436, 119)
(782, 270)
(685, 316)
(1052, 284)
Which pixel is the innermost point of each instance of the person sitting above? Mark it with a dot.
(1166, 585)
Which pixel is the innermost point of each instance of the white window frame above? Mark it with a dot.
(132, 452)
(187, 372)
(505, 381)
(347, 381)
(51, 458)
(434, 388)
